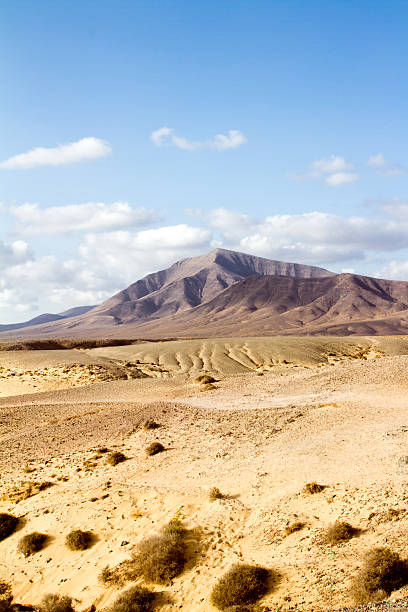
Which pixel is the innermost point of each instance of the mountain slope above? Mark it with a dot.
(184, 286)
(342, 304)
(47, 318)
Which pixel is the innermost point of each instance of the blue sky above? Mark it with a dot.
(288, 122)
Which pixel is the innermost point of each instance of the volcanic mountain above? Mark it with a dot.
(182, 287)
(225, 293)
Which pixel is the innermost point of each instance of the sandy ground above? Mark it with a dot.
(327, 410)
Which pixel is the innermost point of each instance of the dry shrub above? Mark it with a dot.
(56, 603)
(32, 543)
(150, 424)
(8, 525)
(154, 448)
(207, 387)
(215, 493)
(296, 526)
(383, 571)
(109, 577)
(161, 558)
(6, 605)
(313, 487)
(79, 540)
(5, 591)
(204, 379)
(135, 599)
(242, 584)
(340, 532)
(115, 458)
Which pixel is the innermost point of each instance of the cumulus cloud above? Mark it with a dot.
(13, 253)
(314, 238)
(339, 178)
(383, 166)
(395, 269)
(91, 216)
(334, 170)
(221, 142)
(69, 153)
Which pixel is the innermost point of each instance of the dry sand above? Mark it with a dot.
(331, 410)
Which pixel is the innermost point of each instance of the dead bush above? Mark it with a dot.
(215, 493)
(383, 571)
(8, 525)
(56, 603)
(154, 448)
(340, 532)
(296, 526)
(207, 387)
(135, 599)
(32, 543)
(5, 591)
(313, 487)
(204, 379)
(79, 540)
(115, 458)
(150, 424)
(6, 605)
(109, 577)
(242, 584)
(161, 558)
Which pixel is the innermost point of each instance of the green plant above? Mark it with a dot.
(340, 532)
(175, 527)
(32, 543)
(296, 526)
(56, 603)
(242, 584)
(383, 571)
(79, 540)
(154, 448)
(115, 458)
(215, 493)
(135, 599)
(313, 487)
(8, 525)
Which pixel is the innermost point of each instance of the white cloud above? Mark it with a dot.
(159, 137)
(333, 169)
(13, 253)
(221, 142)
(73, 152)
(383, 166)
(394, 270)
(334, 163)
(91, 216)
(340, 178)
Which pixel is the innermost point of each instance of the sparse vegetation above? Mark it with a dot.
(79, 540)
(32, 543)
(56, 603)
(5, 591)
(109, 577)
(215, 493)
(242, 584)
(8, 525)
(340, 532)
(383, 571)
(115, 458)
(293, 527)
(150, 424)
(135, 599)
(204, 379)
(207, 387)
(154, 448)
(313, 487)
(161, 558)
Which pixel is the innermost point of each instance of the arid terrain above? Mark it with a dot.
(282, 412)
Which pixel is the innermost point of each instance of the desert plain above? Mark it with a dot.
(282, 412)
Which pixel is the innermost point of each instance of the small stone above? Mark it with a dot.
(124, 543)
